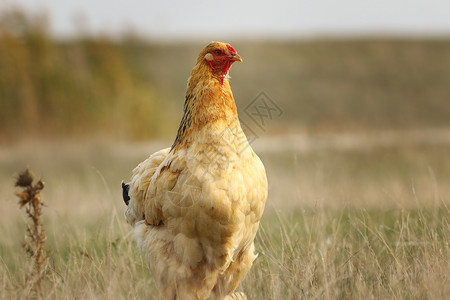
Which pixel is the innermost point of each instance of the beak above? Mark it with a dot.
(235, 57)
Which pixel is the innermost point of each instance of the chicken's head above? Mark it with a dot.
(219, 56)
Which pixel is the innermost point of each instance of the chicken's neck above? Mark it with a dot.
(209, 107)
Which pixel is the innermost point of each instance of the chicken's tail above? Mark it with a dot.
(125, 189)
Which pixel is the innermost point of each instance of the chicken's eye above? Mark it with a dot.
(218, 52)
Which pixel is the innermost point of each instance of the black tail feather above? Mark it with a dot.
(125, 188)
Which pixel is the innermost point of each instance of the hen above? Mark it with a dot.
(196, 206)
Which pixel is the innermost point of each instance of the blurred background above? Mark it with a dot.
(356, 93)
(116, 70)
(359, 90)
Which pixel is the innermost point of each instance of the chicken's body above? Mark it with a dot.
(196, 206)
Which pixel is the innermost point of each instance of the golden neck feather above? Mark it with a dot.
(209, 103)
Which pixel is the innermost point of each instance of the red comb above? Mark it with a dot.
(231, 49)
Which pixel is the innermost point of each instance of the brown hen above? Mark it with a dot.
(196, 206)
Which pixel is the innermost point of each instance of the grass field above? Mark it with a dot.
(341, 222)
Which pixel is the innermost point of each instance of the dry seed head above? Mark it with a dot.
(24, 198)
(39, 185)
(24, 179)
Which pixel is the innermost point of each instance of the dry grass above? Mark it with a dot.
(333, 228)
(356, 254)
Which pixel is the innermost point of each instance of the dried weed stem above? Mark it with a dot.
(30, 198)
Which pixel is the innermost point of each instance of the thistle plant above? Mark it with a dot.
(30, 198)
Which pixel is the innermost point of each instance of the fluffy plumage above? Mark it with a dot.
(196, 206)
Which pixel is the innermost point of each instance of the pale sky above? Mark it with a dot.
(257, 18)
